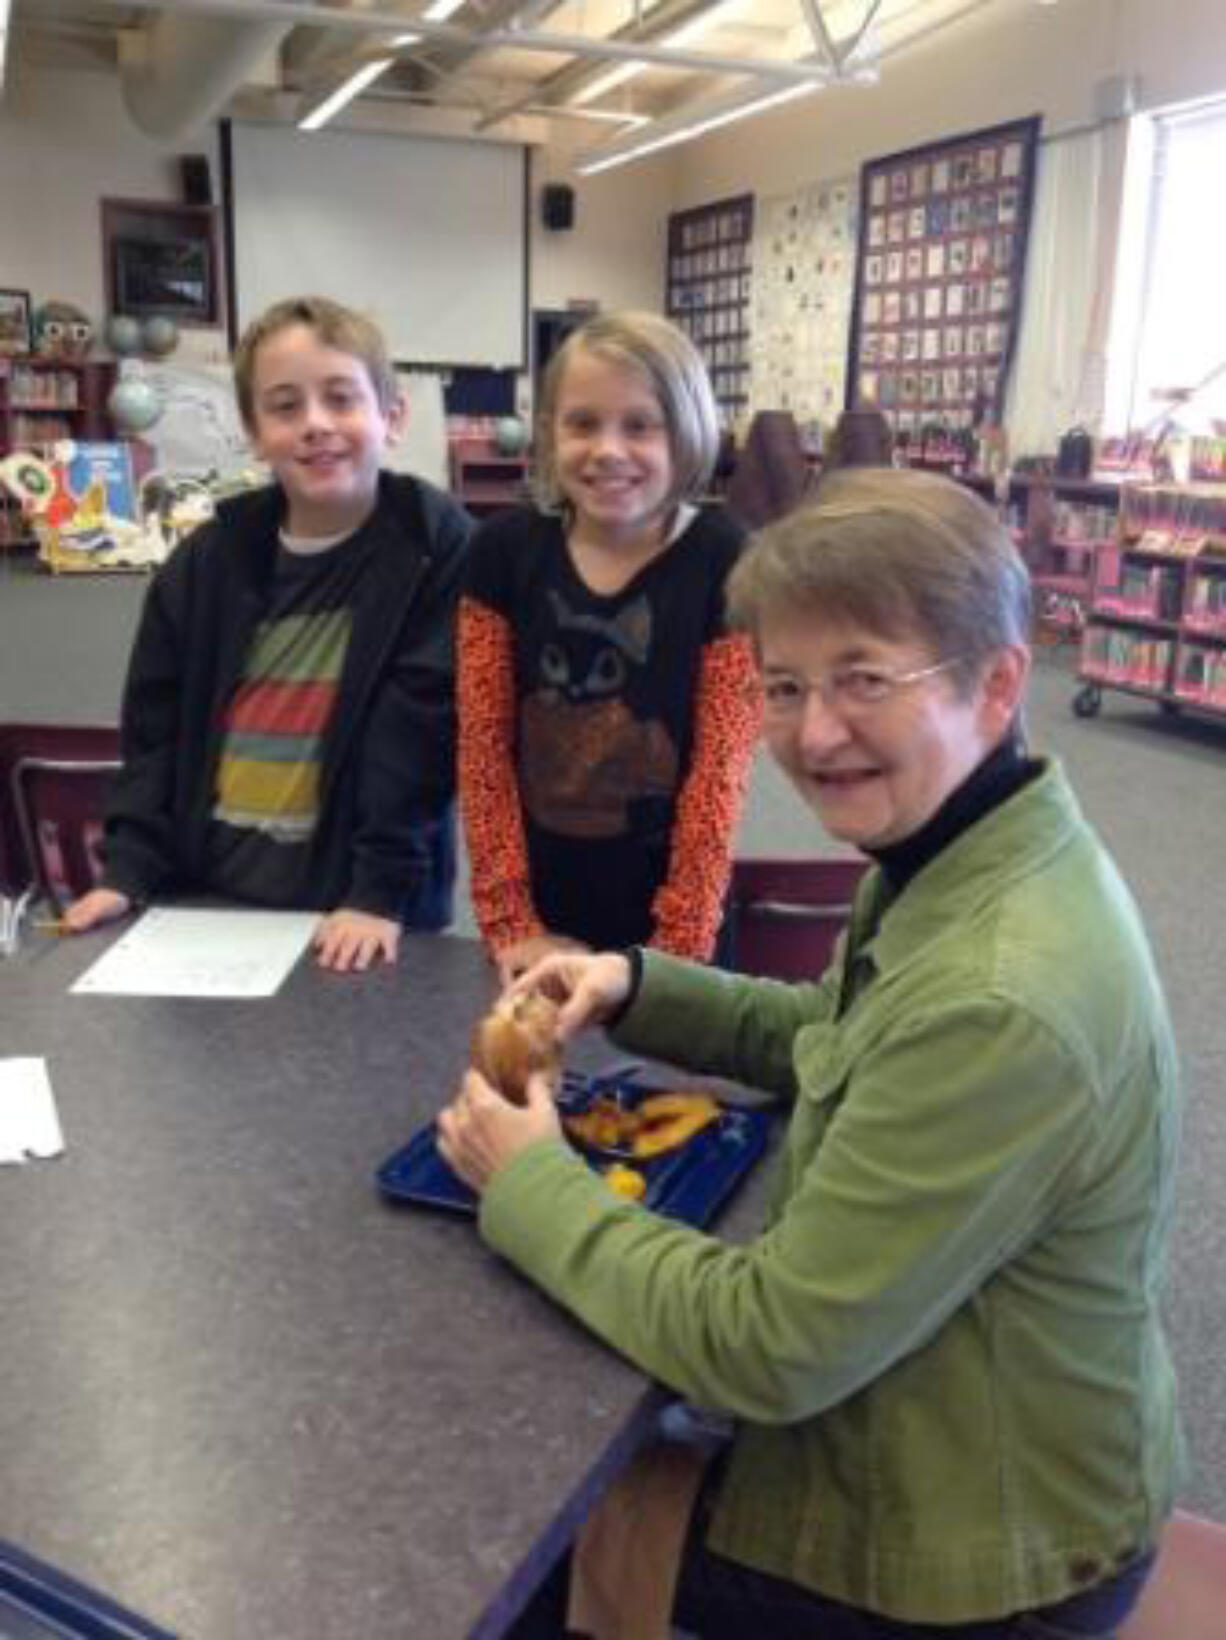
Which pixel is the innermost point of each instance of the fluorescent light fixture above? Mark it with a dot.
(441, 10)
(355, 84)
(698, 126)
(678, 37)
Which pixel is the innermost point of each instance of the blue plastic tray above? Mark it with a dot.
(39, 1603)
(691, 1182)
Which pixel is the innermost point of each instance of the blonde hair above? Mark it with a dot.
(899, 554)
(672, 364)
(335, 326)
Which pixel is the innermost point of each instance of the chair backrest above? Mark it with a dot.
(1185, 1598)
(53, 781)
(785, 915)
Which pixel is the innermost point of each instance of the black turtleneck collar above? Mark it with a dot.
(1005, 770)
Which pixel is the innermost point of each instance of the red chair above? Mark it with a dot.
(785, 915)
(1185, 1598)
(53, 781)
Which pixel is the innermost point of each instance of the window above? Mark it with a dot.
(1174, 360)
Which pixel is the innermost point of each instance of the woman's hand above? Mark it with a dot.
(352, 940)
(480, 1131)
(100, 905)
(587, 986)
(516, 959)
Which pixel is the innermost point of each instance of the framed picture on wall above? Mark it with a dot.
(959, 212)
(14, 321)
(161, 259)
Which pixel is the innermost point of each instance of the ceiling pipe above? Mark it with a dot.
(179, 73)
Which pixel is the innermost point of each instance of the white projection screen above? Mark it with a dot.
(425, 235)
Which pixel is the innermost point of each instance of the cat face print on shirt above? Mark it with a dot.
(584, 755)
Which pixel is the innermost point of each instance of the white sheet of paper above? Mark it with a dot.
(29, 1122)
(181, 953)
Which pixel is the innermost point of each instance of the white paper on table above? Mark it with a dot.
(182, 953)
(29, 1122)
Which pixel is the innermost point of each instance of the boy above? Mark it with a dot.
(288, 719)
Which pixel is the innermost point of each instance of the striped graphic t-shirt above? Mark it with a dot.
(269, 774)
(268, 779)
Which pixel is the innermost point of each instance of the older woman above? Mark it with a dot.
(954, 1406)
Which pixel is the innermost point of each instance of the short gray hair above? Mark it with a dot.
(899, 553)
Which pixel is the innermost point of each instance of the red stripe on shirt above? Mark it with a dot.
(282, 708)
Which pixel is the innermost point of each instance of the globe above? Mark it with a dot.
(122, 335)
(159, 335)
(133, 405)
(510, 436)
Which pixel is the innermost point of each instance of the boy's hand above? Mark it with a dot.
(480, 1131)
(514, 960)
(100, 905)
(349, 941)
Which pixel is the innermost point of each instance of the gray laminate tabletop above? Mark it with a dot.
(239, 1392)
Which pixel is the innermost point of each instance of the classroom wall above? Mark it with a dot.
(1011, 59)
(54, 170)
(615, 252)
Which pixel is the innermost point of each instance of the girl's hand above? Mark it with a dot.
(351, 940)
(514, 960)
(100, 905)
(480, 1131)
(587, 986)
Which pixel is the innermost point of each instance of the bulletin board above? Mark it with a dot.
(939, 272)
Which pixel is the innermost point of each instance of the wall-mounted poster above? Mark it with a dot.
(939, 276)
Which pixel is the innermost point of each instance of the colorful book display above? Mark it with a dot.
(82, 507)
(1158, 621)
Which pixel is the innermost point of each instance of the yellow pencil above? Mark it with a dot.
(50, 925)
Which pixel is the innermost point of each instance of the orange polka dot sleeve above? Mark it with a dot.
(727, 714)
(489, 792)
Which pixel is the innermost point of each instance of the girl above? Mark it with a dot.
(607, 717)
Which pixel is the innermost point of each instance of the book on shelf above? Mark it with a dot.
(1201, 676)
(1133, 659)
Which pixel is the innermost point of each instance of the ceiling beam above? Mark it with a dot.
(509, 39)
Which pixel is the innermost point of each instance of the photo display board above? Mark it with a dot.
(942, 254)
(708, 290)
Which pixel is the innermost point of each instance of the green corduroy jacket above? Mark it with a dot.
(953, 1394)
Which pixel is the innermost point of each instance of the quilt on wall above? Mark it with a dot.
(939, 272)
(803, 280)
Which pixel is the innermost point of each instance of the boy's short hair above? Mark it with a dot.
(335, 326)
(673, 365)
(897, 553)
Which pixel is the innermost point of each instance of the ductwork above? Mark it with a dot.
(181, 72)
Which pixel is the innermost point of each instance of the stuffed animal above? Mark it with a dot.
(62, 331)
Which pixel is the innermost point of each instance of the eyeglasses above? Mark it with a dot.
(847, 689)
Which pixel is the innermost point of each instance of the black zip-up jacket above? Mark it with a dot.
(385, 841)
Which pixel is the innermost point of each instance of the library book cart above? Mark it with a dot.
(1157, 621)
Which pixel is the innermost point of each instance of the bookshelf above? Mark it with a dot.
(1157, 621)
(708, 292)
(483, 479)
(1062, 525)
(42, 402)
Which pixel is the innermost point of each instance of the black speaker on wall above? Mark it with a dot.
(194, 179)
(558, 205)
